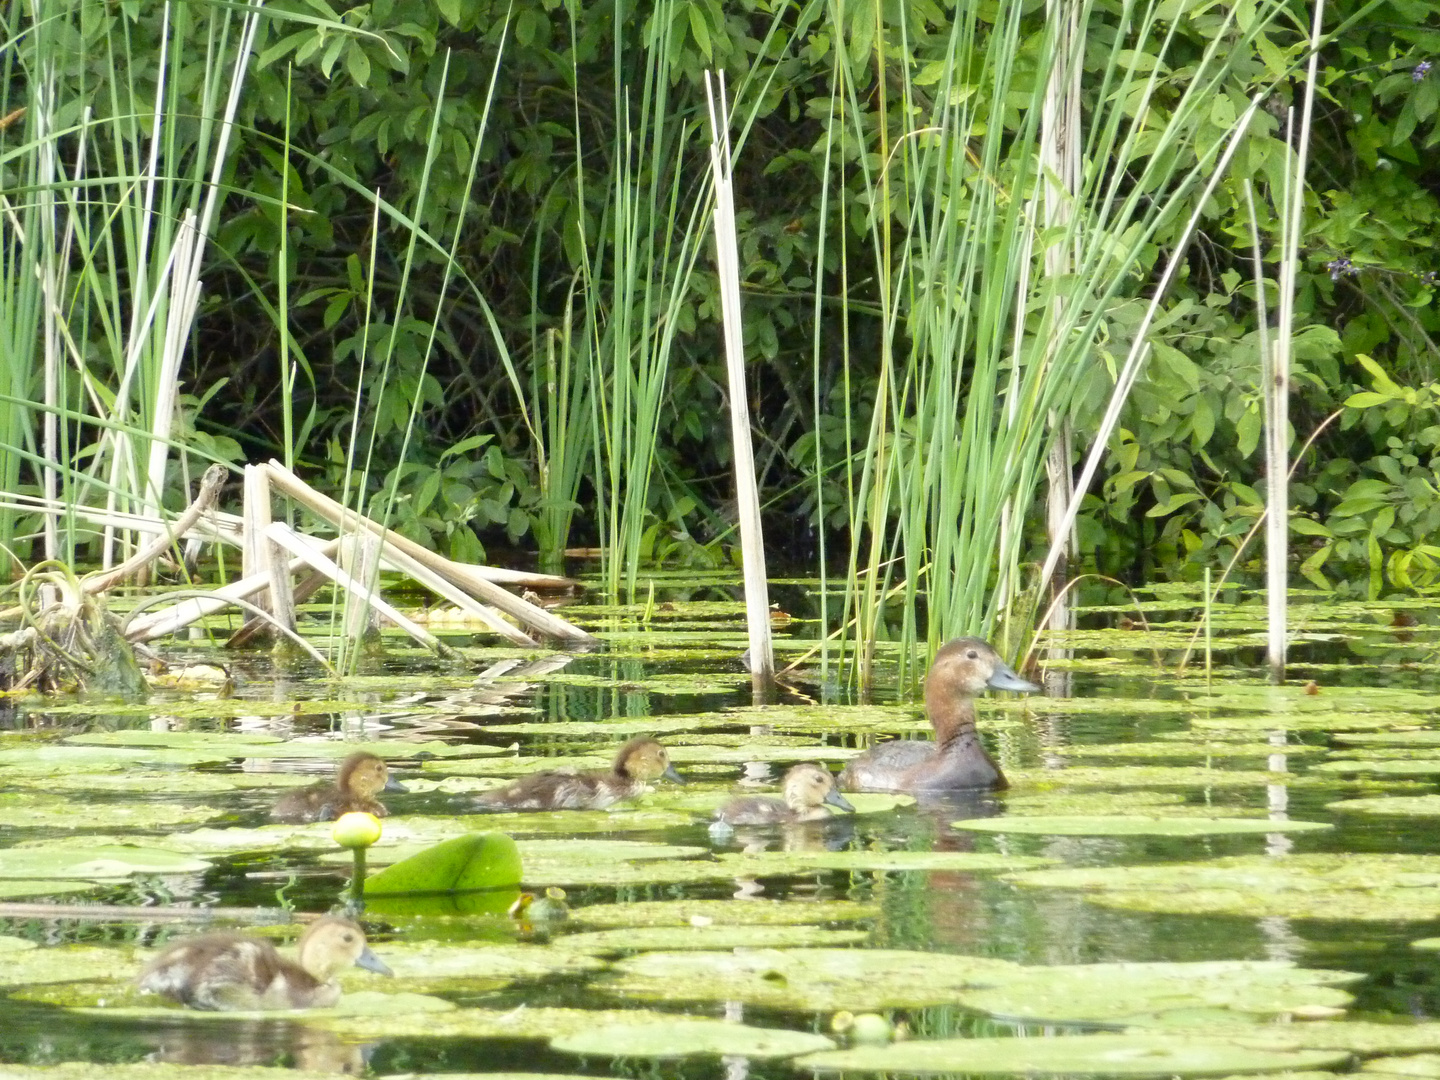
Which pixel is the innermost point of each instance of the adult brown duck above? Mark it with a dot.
(955, 761)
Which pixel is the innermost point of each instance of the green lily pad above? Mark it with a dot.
(1421, 737)
(1422, 1065)
(1078, 1055)
(67, 963)
(1147, 776)
(618, 727)
(688, 1037)
(741, 936)
(183, 740)
(38, 810)
(171, 783)
(1352, 1036)
(464, 864)
(1077, 825)
(1391, 806)
(624, 817)
(94, 861)
(15, 888)
(49, 760)
(15, 944)
(780, 863)
(1046, 803)
(1129, 993)
(525, 1022)
(748, 912)
(1173, 748)
(1381, 767)
(810, 980)
(1342, 886)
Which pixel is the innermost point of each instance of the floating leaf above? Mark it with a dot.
(1155, 803)
(39, 810)
(1340, 886)
(1077, 825)
(811, 980)
(780, 863)
(49, 760)
(1129, 993)
(1174, 748)
(1115, 1055)
(719, 936)
(1422, 1065)
(749, 912)
(15, 944)
(94, 861)
(465, 864)
(525, 1022)
(687, 1037)
(183, 740)
(708, 802)
(1382, 767)
(67, 963)
(1391, 806)
(1148, 776)
(13, 889)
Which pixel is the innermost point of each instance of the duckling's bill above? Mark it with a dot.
(834, 798)
(370, 962)
(1005, 678)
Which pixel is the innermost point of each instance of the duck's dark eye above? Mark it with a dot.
(972, 655)
(349, 939)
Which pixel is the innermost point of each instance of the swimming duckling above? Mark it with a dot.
(639, 761)
(357, 780)
(807, 788)
(955, 760)
(227, 972)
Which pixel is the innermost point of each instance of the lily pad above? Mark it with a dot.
(1148, 776)
(155, 1070)
(749, 912)
(707, 802)
(38, 810)
(811, 980)
(689, 1037)
(1422, 1065)
(524, 1022)
(184, 740)
(720, 936)
(1422, 737)
(67, 963)
(431, 966)
(1079, 1055)
(1117, 825)
(781, 863)
(15, 944)
(467, 863)
(1155, 803)
(371, 1004)
(1174, 748)
(15, 888)
(94, 861)
(48, 760)
(1341, 886)
(1382, 767)
(1129, 993)
(1391, 806)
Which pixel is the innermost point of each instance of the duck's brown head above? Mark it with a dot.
(645, 759)
(362, 775)
(330, 945)
(807, 785)
(966, 667)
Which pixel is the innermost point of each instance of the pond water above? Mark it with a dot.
(1189, 875)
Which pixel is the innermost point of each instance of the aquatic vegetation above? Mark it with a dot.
(687, 1037)
(1120, 825)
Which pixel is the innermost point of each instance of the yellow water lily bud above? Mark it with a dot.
(356, 829)
(870, 1028)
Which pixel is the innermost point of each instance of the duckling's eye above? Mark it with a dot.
(972, 655)
(349, 939)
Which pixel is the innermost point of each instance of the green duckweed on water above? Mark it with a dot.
(1078, 1055)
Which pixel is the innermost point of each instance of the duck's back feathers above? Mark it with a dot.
(911, 765)
(561, 789)
(227, 972)
(764, 810)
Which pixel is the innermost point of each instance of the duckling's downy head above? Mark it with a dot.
(808, 785)
(330, 945)
(364, 774)
(645, 759)
(966, 667)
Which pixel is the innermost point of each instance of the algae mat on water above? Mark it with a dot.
(1360, 886)
(1079, 1055)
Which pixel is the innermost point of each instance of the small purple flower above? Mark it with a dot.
(1420, 70)
(1341, 267)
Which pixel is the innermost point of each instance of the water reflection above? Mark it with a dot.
(259, 1042)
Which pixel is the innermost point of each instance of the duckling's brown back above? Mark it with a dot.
(227, 972)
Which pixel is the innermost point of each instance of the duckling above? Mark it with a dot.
(357, 780)
(807, 787)
(227, 972)
(639, 761)
(955, 760)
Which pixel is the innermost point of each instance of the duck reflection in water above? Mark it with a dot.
(261, 1042)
